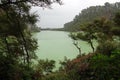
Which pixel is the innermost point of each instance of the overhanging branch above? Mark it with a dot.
(40, 3)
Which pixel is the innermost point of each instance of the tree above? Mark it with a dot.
(75, 42)
(16, 24)
(15, 14)
(45, 66)
(91, 13)
(17, 47)
(87, 34)
(40, 3)
(116, 28)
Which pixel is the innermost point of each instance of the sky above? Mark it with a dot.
(61, 14)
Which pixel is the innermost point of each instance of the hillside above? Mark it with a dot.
(87, 15)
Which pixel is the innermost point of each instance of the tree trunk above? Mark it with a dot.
(76, 45)
(7, 45)
(92, 46)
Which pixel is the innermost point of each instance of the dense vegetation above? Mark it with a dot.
(34, 28)
(53, 29)
(17, 47)
(91, 13)
(103, 62)
(100, 64)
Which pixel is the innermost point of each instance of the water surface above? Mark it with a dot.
(55, 45)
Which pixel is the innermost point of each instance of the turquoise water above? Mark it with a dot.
(55, 45)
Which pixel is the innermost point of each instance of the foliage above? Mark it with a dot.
(116, 28)
(46, 66)
(91, 13)
(57, 76)
(40, 3)
(75, 41)
(17, 47)
(101, 64)
(105, 67)
(12, 69)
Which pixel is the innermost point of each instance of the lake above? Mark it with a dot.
(55, 45)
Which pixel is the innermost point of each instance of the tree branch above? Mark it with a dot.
(76, 45)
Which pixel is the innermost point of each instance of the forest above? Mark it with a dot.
(17, 46)
(94, 12)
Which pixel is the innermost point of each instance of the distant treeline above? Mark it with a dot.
(94, 12)
(34, 28)
(53, 29)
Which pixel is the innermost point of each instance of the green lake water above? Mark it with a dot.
(55, 45)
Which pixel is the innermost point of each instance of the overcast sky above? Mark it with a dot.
(59, 15)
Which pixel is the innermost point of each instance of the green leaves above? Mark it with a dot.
(100, 61)
(91, 13)
(46, 66)
(117, 18)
